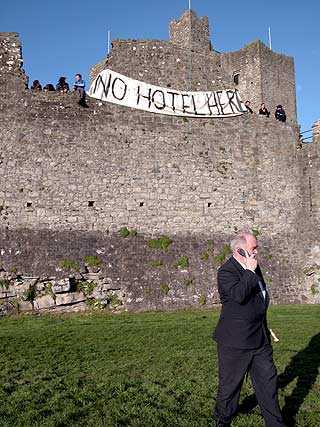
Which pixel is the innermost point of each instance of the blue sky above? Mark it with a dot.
(63, 37)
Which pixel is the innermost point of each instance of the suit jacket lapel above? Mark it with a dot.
(240, 270)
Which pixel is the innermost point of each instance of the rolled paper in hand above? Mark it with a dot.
(274, 336)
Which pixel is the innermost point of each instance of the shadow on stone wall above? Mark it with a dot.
(125, 270)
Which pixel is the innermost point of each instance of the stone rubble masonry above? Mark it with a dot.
(71, 177)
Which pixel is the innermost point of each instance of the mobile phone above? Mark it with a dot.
(242, 252)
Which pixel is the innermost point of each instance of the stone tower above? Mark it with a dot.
(191, 32)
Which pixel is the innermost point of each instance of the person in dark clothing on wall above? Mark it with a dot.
(242, 335)
(62, 85)
(280, 114)
(36, 86)
(263, 110)
(49, 88)
(248, 107)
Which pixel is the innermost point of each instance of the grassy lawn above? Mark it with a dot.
(151, 369)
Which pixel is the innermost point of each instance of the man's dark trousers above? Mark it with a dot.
(233, 366)
(244, 344)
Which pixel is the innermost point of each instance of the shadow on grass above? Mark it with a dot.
(304, 367)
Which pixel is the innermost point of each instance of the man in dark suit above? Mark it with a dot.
(242, 335)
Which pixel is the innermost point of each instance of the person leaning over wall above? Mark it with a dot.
(62, 85)
(49, 88)
(280, 114)
(36, 86)
(263, 110)
(248, 107)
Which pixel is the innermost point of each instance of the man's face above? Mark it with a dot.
(251, 245)
(77, 77)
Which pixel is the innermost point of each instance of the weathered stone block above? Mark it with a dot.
(70, 298)
(62, 286)
(44, 302)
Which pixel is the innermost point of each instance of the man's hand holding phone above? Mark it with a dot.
(249, 259)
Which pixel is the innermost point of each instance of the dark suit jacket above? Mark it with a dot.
(242, 322)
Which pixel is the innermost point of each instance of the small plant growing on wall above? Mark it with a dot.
(49, 291)
(314, 289)
(86, 287)
(125, 232)
(4, 284)
(205, 256)
(30, 295)
(256, 231)
(93, 261)
(69, 265)
(114, 301)
(202, 299)
(94, 304)
(15, 304)
(182, 263)
(222, 255)
(162, 243)
(164, 288)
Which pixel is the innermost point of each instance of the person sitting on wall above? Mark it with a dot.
(263, 110)
(48, 88)
(280, 114)
(62, 85)
(36, 86)
(247, 105)
(79, 87)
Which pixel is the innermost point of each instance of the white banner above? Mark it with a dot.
(118, 89)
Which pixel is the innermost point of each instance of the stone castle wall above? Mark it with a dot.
(72, 177)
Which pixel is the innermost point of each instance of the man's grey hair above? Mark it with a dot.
(240, 239)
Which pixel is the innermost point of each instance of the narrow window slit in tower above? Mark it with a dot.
(141, 204)
(209, 204)
(236, 78)
(29, 204)
(91, 203)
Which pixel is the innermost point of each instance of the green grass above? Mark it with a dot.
(151, 369)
